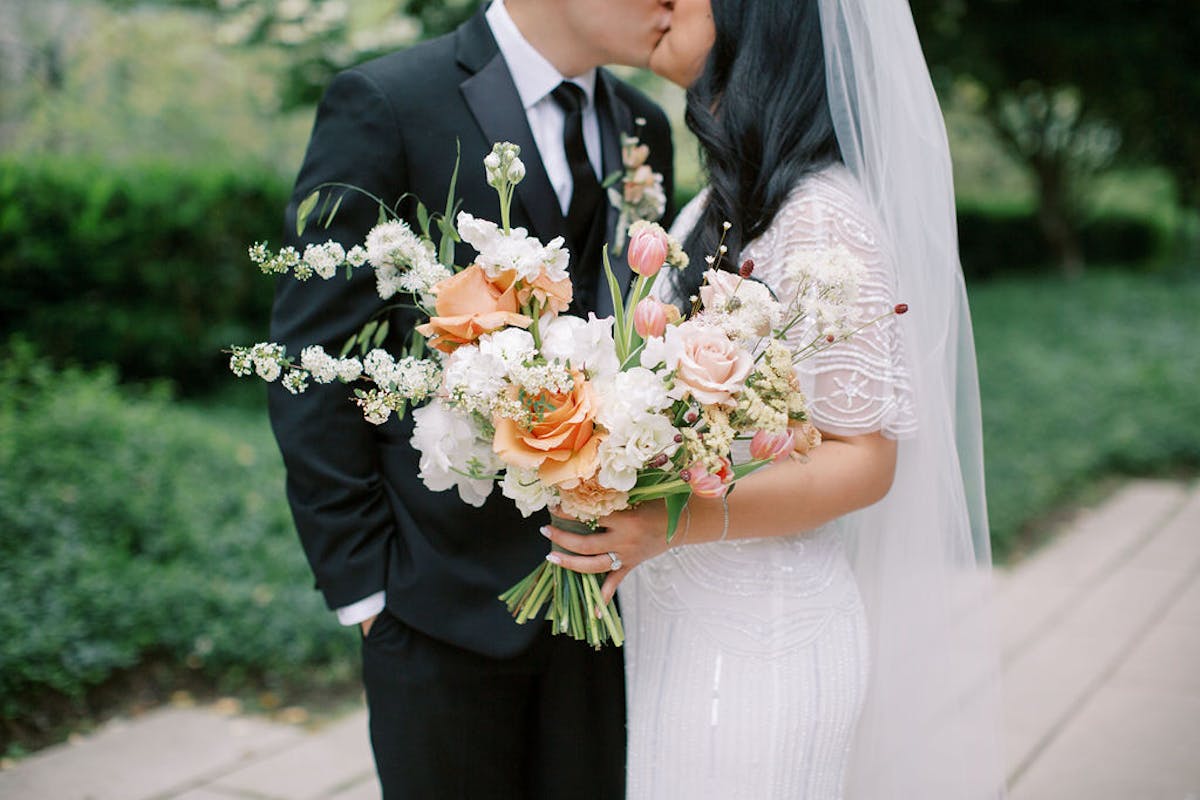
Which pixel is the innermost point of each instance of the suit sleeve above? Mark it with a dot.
(334, 486)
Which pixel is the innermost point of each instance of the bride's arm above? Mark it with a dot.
(843, 474)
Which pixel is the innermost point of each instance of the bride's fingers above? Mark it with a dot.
(587, 545)
(584, 564)
(609, 589)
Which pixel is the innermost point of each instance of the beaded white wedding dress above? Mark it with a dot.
(747, 661)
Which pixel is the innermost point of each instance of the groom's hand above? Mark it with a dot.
(366, 625)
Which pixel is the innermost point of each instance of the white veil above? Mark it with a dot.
(930, 729)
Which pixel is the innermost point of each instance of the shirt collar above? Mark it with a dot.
(534, 76)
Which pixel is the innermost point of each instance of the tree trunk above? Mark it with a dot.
(1056, 216)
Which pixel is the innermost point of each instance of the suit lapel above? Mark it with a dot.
(492, 97)
(615, 119)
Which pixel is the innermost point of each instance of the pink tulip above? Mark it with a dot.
(772, 446)
(708, 484)
(648, 250)
(649, 318)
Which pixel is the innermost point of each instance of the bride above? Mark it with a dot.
(822, 632)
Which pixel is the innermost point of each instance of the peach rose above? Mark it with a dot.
(553, 296)
(468, 306)
(561, 443)
(711, 367)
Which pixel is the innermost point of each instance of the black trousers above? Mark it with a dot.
(447, 723)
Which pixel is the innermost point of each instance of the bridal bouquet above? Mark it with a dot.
(584, 417)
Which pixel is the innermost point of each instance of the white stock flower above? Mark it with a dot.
(630, 397)
(511, 346)
(584, 344)
(630, 445)
(516, 250)
(527, 490)
(452, 451)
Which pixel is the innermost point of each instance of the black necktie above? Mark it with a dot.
(587, 193)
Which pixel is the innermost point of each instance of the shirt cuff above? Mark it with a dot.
(363, 610)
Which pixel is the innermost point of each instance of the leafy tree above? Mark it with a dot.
(1069, 86)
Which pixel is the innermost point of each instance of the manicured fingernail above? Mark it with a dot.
(554, 558)
(545, 529)
(599, 612)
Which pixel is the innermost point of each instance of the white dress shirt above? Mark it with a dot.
(535, 78)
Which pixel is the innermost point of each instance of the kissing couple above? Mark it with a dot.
(820, 633)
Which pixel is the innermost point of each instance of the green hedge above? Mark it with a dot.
(1080, 380)
(1003, 241)
(143, 267)
(134, 529)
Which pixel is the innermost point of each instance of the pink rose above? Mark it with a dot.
(649, 318)
(772, 446)
(711, 368)
(719, 286)
(648, 250)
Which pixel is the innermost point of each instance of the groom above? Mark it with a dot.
(464, 703)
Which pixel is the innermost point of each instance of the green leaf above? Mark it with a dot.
(333, 211)
(348, 346)
(364, 336)
(675, 505)
(618, 303)
(423, 218)
(304, 209)
(454, 179)
(383, 214)
(612, 179)
(381, 333)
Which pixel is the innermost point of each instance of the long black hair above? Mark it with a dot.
(761, 112)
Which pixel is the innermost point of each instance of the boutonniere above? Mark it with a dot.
(637, 190)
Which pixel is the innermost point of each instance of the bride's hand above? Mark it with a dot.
(632, 536)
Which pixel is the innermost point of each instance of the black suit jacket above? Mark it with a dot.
(365, 519)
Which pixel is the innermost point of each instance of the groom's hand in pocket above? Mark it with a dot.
(366, 624)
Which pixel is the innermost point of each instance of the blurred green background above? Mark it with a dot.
(145, 544)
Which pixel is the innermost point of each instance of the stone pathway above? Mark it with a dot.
(1101, 652)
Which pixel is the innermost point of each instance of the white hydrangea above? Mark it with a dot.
(454, 454)
(321, 365)
(584, 344)
(527, 490)
(516, 250)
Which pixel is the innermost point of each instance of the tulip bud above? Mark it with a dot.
(772, 446)
(649, 318)
(648, 250)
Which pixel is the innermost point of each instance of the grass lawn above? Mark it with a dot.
(1082, 380)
